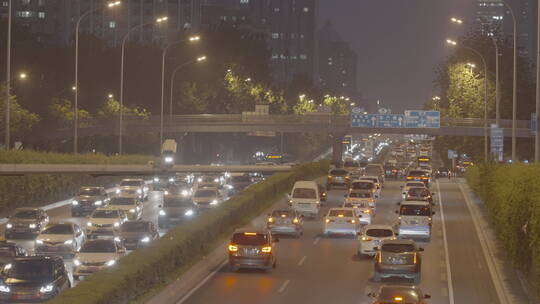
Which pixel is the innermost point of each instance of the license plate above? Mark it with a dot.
(24, 296)
(282, 222)
(20, 230)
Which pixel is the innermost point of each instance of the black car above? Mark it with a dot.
(9, 251)
(136, 234)
(33, 279)
(391, 171)
(89, 199)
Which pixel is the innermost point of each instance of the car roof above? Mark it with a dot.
(106, 209)
(374, 226)
(254, 230)
(400, 242)
(360, 191)
(37, 257)
(133, 179)
(416, 203)
(341, 208)
(59, 223)
(412, 188)
(363, 181)
(308, 184)
(126, 195)
(409, 294)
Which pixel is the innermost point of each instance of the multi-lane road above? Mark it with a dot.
(317, 269)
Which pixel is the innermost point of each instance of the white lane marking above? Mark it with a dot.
(201, 283)
(493, 267)
(302, 260)
(446, 254)
(444, 292)
(317, 239)
(283, 286)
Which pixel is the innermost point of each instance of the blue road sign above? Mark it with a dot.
(533, 124)
(364, 120)
(422, 119)
(390, 121)
(497, 140)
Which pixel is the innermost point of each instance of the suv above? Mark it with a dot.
(25, 221)
(415, 219)
(175, 210)
(88, 199)
(252, 249)
(29, 279)
(399, 294)
(60, 239)
(337, 177)
(105, 221)
(9, 251)
(136, 234)
(96, 255)
(205, 198)
(130, 205)
(135, 186)
(398, 258)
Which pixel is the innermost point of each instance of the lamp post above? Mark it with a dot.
(454, 43)
(163, 56)
(123, 51)
(536, 137)
(178, 68)
(76, 102)
(8, 78)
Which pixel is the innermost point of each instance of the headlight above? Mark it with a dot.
(39, 242)
(77, 262)
(189, 213)
(32, 226)
(4, 288)
(145, 240)
(9, 226)
(46, 288)
(171, 180)
(166, 192)
(199, 179)
(89, 224)
(216, 180)
(117, 191)
(230, 187)
(68, 242)
(74, 203)
(110, 263)
(168, 159)
(185, 193)
(139, 191)
(98, 203)
(117, 224)
(162, 213)
(132, 210)
(156, 179)
(214, 202)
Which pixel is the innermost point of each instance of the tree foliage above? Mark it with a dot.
(61, 110)
(21, 120)
(111, 108)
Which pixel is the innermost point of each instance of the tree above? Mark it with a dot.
(61, 110)
(111, 108)
(22, 121)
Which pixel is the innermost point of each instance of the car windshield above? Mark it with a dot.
(351, 164)
(30, 270)
(379, 233)
(282, 213)
(105, 214)
(417, 184)
(359, 195)
(7, 251)
(210, 179)
(363, 185)
(340, 213)
(420, 192)
(250, 239)
(304, 193)
(338, 172)
(415, 210)
(176, 203)
(417, 173)
(370, 179)
(26, 214)
(397, 248)
(130, 183)
(205, 193)
(119, 201)
(58, 229)
(135, 226)
(240, 179)
(90, 192)
(95, 246)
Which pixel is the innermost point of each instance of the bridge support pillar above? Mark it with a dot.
(337, 148)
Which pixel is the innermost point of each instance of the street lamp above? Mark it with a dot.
(111, 96)
(435, 98)
(110, 5)
(248, 79)
(163, 56)
(456, 20)
(8, 77)
(471, 65)
(454, 43)
(178, 68)
(124, 40)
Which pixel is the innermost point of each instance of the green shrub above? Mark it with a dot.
(36, 157)
(184, 244)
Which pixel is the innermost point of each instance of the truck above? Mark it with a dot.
(168, 153)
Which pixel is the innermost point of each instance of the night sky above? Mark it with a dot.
(398, 42)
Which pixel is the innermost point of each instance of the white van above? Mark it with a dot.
(305, 199)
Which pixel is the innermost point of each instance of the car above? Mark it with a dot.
(137, 234)
(322, 193)
(285, 221)
(415, 219)
(88, 199)
(62, 239)
(96, 255)
(341, 221)
(411, 184)
(131, 205)
(366, 185)
(239, 182)
(209, 181)
(399, 294)
(391, 171)
(419, 194)
(33, 279)
(205, 198)
(305, 198)
(252, 248)
(174, 210)
(398, 258)
(375, 170)
(418, 175)
(104, 222)
(374, 178)
(371, 237)
(337, 177)
(351, 165)
(363, 204)
(9, 251)
(134, 186)
(26, 221)
(179, 190)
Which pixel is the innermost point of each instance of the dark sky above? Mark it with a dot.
(398, 42)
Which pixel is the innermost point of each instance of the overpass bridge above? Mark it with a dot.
(309, 123)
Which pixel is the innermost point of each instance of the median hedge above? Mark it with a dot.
(512, 196)
(144, 269)
(42, 189)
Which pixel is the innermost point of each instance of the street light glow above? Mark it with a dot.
(472, 65)
(248, 79)
(162, 19)
(113, 4)
(74, 88)
(23, 76)
(194, 38)
(111, 96)
(456, 20)
(451, 42)
(436, 98)
(202, 58)
(302, 96)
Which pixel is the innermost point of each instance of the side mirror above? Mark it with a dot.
(433, 193)
(401, 187)
(372, 295)
(375, 248)
(396, 233)
(426, 296)
(397, 212)
(420, 249)
(359, 233)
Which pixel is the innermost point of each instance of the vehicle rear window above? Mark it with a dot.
(205, 193)
(240, 179)
(250, 239)
(397, 248)
(338, 172)
(119, 201)
(169, 202)
(417, 173)
(90, 192)
(134, 226)
(30, 270)
(419, 192)
(304, 193)
(282, 213)
(26, 214)
(414, 210)
(351, 164)
(105, 214)
(59, 229)
(363, 186)
(360, 195)
(370, 179)
(96, 246)
(379, 233)
(130, 183)
(341, 213)
(417, 184)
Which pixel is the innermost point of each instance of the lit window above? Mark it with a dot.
(244, 1)
(303, 56)
(41, 15)
(25, 14)
(112, 24)
(25, 2)
(276, 9)
(275, 35)
(306, 9)
(5, 4)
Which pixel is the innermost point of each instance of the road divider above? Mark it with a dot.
(185, 244)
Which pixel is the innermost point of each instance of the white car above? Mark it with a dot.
(96, 255)
(362, 211)
(409, 185)
(60, 239)
(105, 221)
(135, 186)
(130, 205)
(205, 198)
(415, 220)
(341, 221)
(371, 237)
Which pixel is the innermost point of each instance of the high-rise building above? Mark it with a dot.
(337, 62)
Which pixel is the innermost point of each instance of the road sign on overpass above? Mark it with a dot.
(422, 119)
(411, 119)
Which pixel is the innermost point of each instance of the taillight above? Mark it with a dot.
(414, 258)
(366, 239)
(267, 249)
(233, 248)
(328, 220)
(367, 211)
(352, 221)
(270, 220)
(295, 220)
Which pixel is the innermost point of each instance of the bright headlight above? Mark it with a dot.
(132, 210)
(168, 159)
(117, 224)
(4, 288)
(89, 224)
(39, 242)
(166, 192)
(139, 191)
(77, 262)
(145, 240)
(199, 179)
(98, 203)
(117, 191)
(216, 180)
(214, 202)
(32, 226)
(9, 226)
(46, 288)
(185, 193)
(230, 187)
(110, 263)
(189, 213)
(171, 180)
(68, 242)
(156, 179)
(74, 202)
